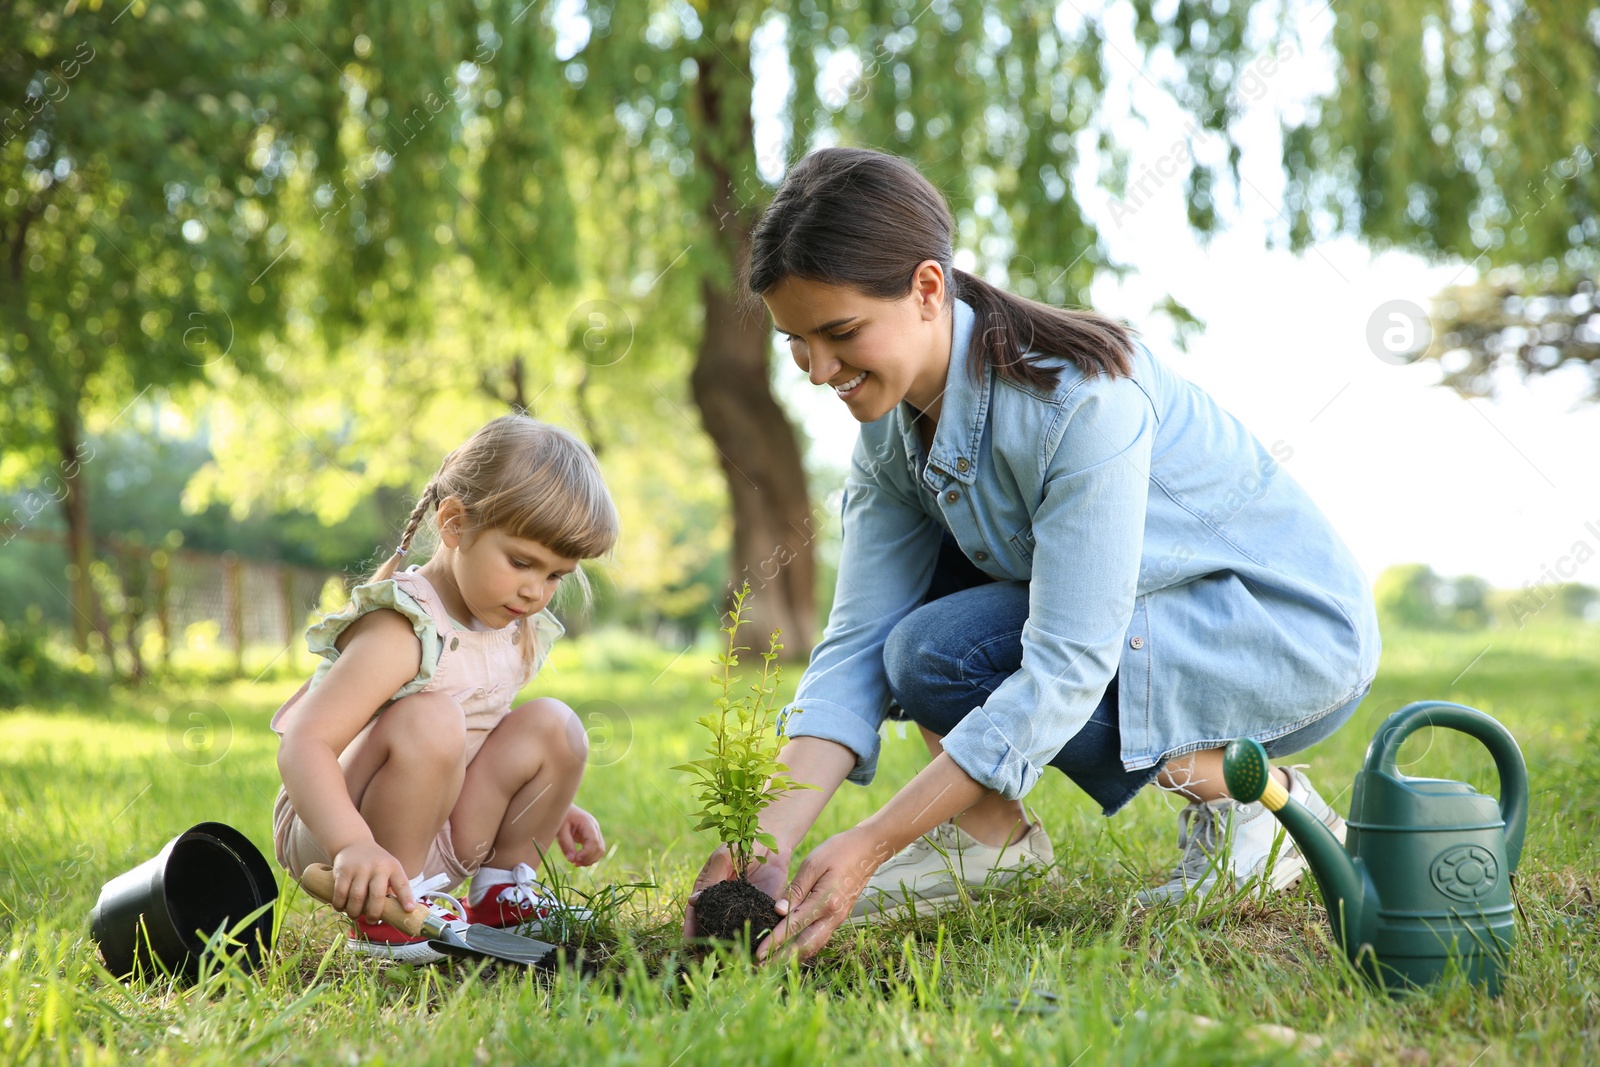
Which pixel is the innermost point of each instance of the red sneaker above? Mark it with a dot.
(522, 902)
(390, 943)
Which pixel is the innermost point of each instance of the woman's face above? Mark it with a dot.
(873, 353)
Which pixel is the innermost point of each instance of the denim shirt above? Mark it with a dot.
(1162, 544)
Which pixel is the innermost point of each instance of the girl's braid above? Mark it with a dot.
(417, 514)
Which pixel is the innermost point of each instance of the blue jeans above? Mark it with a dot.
(946, 657)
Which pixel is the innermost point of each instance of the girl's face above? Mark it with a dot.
(499, 577)
(873, 353)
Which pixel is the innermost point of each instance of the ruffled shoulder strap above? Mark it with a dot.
(393, 594)
(421, 591)
(545, 629)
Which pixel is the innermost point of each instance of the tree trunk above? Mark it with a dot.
(591, 425)
(135, 581)
(773, 527)
(516, 375)
(86, 611)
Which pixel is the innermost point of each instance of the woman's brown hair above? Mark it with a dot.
(864, 219)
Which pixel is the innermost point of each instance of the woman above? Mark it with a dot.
(1056, 552)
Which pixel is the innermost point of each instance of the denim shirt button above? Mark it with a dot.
(962, 464)
(981, 556)
(952, 496)
(1135, 642)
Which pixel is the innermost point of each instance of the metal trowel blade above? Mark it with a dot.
(480, 940)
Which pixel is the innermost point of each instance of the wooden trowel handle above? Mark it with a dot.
(318, 881)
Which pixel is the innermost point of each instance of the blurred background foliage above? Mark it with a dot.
(262, 264)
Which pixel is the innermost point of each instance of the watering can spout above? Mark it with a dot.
(1346, 892)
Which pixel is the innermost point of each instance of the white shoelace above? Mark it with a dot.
(525, 891)
(431, 889)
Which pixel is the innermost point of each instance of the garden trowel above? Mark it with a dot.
(471, 940)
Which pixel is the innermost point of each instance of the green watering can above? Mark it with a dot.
(1422, 884)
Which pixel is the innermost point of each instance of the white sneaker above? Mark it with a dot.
(947, 865)
(1225, 843)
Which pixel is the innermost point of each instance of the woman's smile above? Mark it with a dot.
(849, 387)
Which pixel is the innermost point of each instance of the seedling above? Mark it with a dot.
(737, 779)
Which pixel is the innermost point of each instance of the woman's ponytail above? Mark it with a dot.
(1009, 333)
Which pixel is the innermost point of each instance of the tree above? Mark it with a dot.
(1408, 593)
(430, 164)
(1527, 320)
(997, 101)
(1411, 594)
(454, 153)
(140, 182)
(1468, 132)
(174, 169)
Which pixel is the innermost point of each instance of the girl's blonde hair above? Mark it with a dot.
(532, 480)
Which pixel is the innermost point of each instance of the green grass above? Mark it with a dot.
(1058, 975)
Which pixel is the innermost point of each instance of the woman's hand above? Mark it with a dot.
(363, 875)
(819, 899)
(769, 877)
(833, 876)
(579, 837)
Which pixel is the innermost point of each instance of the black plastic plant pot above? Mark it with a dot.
(156, 918)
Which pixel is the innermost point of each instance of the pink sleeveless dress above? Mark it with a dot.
(481, 670)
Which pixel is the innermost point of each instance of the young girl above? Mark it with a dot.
(1057, 553)
(404, 764)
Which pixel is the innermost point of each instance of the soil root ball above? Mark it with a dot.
(725, 908)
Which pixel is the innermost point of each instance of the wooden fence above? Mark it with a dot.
(253, 603)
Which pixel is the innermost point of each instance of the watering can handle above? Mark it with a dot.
(1497, 739)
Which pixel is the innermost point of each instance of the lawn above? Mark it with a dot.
(1068, 974)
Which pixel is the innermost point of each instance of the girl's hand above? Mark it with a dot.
(769, 877)
(579, 837)
(363, 875)
(823, 892)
